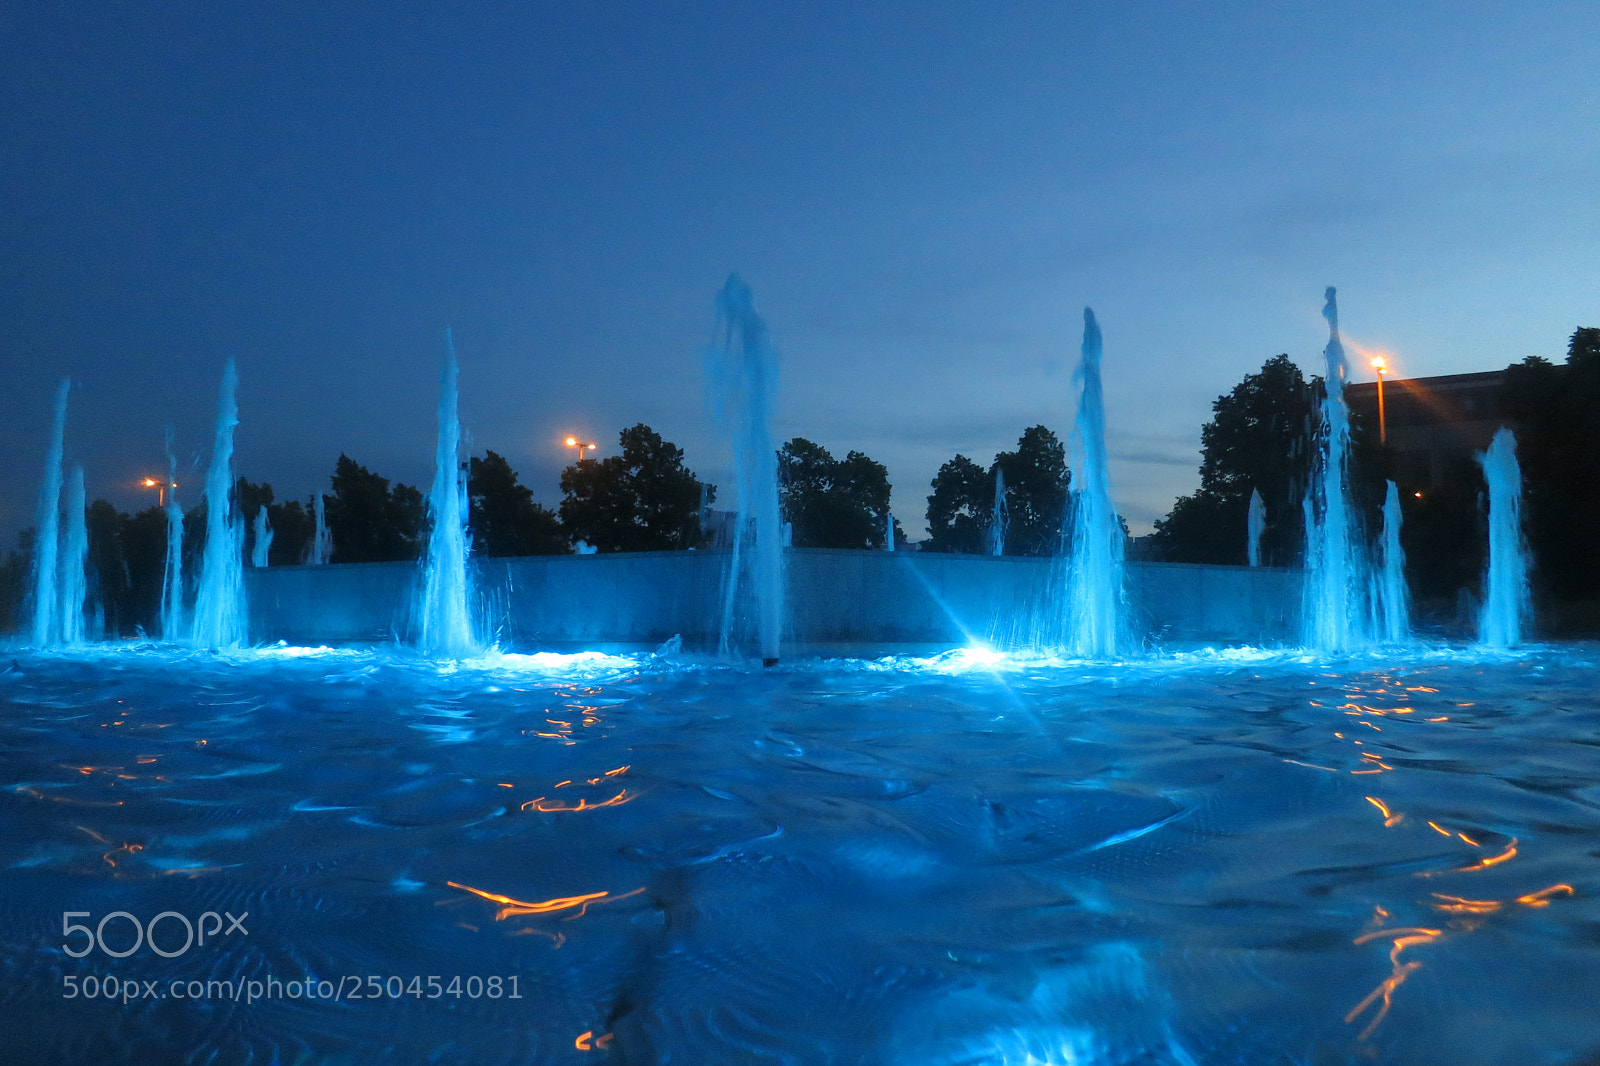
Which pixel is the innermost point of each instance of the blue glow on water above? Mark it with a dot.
(1208, 855)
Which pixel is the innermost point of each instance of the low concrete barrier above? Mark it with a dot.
(838, 602)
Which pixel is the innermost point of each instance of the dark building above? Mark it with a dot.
(1433, 424)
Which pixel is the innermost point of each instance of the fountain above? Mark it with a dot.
(1000, 517)
(1096, 607)
(47, 541)
(1335, 573)
(1391, 600)
(322, 541)
(741, 375)
(1506, 600)
(261, 542)
(971, 857)
(1255, 526)
(219, 604)
(888, 531)
(74, 581)
(444, 626)
(172, 575)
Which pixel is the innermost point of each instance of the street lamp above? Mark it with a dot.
(1380, 366)
(160, 487)
(582, 446)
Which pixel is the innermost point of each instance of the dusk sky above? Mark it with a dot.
(923, 198)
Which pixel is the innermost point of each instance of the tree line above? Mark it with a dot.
(643, 499)
(646, 499)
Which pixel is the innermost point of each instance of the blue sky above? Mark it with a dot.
(923, 196)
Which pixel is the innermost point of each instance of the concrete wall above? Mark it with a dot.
(839, 602)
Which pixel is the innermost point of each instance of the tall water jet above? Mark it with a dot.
(74, 581)
(261, 539)
(1391, 599)
(1096, 605)
(1333, 615)
(1507, 605)
(219, 607)
(172, 577)
(47, 540)
(322, 541)
(1000, 517)
(1255, 526)
(741, 380)
(444, 625)
(888, 531)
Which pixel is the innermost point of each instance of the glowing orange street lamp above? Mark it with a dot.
(1380, 366)
(160, 487)
(582, 446)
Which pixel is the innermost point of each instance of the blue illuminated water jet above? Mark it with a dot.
(1096, 604)
(262, 541)
(219, 605)
(741, 379)
(1000, 517)
(322, 540)
(1507, 604)
(172, 627)
(46, 626)
(74, 563)
(1255, 526)
(444, 623)
(1335, 619)
(1391, 599)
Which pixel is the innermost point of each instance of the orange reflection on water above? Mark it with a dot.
(1492, 860)
(1461, 905)
(1390, 819)
(1542, 897)
(128, 848)
(552, 807)
(515, 907)
(1403, 938)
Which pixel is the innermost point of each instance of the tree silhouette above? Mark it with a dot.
(642, 500)
(503, 515)
(369, 521)
(961, 508)
(832, 503)
(1037, 481)
(1257, 439)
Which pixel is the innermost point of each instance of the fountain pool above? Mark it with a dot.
(1203, 857)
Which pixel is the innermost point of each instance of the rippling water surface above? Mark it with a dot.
(1206, 858)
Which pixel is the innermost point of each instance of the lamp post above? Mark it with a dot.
(160, 487)
(1380, 366)
(582, 446)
